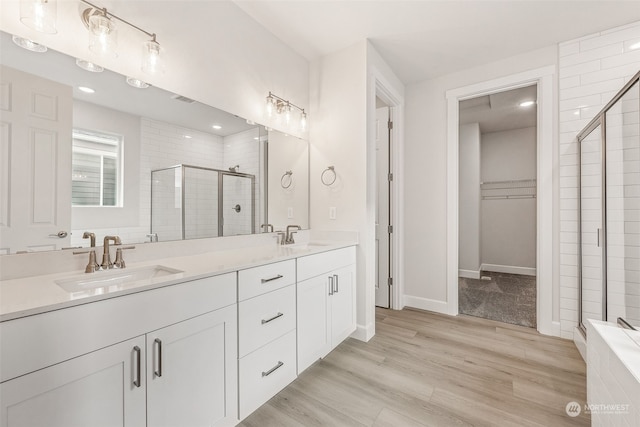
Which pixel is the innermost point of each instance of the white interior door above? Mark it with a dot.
(35, 153)
(383, 220)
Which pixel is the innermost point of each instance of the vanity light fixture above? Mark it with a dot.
(103, 29)
(527, 103)
(39, 15)
(29, 45)
(86, 89)
(89, 66)
(280, 106)
(137, 83)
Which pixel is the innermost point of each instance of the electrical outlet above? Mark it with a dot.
(332, 212)
(289, 213)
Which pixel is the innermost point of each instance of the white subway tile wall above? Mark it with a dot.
(591, 70)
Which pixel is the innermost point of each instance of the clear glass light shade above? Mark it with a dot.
(303, 121)
(137, 83)
(270, 105)
(104, 35)
(39, 15)
(29, 45)
(287, 114)
(151, 59)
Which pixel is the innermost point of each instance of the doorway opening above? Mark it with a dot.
(497, 220)
(384, 227)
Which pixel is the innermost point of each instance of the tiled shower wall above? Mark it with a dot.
(592, 70)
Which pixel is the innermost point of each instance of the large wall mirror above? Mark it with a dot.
(86, 151)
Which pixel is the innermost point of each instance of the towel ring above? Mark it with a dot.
(326, 176)
(284, 182)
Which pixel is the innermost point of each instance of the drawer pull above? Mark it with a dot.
(279, 276)
(271, 371)
(136, 381)
(273, 318)
(330, 285)
(335, 281)
(158, 343)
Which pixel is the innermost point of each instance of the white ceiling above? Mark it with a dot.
(423, 39)
(501, 111)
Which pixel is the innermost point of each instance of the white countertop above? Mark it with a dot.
(625, 343)
(38, 294)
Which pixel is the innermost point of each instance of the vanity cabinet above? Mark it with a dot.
(190, 372)
(266, 333)
(180, 367)
(325, 303)
(103, 388)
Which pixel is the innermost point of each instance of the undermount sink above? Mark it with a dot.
(308, 245)
(115, 277)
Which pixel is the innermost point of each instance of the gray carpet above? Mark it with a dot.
(509, 298)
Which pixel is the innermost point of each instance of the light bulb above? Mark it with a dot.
(151, 60)
(89, 66)
(39, 15)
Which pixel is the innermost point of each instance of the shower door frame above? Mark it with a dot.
(598, 120)
(220, 172)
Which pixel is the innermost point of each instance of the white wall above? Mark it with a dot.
(214, 53)
(89, 116)
(592, 70)
(508, 226)
(426, 173)
(469, 200)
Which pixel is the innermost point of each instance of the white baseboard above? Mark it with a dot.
(427, 304)
(527, 271)
(552, 329)
(469, 274)
(580, 343)
(364, 333)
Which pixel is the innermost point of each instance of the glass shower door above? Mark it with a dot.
(238, 207)
(592, 295)
(622, 131)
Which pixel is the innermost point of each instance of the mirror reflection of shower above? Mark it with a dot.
(234, 168)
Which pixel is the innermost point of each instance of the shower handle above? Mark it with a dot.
(236, 208)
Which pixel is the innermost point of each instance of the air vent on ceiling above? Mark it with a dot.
(183, 99)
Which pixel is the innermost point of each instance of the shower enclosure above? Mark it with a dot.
(609, 207)
(190, 202)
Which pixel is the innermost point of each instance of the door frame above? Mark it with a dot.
(384, 90)
(546, 157)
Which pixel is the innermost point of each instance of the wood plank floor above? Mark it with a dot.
(427, 369)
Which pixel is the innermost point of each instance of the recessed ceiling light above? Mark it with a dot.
(29, 45)
(256, 138)
(137, 83)
(217, 127)
(577, 113)
(635, 46)
(527, 103)
(187, 137)
(89, 66)
(85, 89)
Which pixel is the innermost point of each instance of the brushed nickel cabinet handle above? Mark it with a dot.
(158, 343)
(136, 381)
(335, 280)
(279, 276)
(330, 285)
(273, 318)
(272, 370)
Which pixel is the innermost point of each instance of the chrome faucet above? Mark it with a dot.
(288, 240)
(106, 255)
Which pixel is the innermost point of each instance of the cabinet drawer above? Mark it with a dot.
(265, 318)
(265, 372)
(266, 278)
(315, 265)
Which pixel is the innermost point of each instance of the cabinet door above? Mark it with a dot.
(343, 309)
(314, 339)
(96, 389)
(192, 371)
